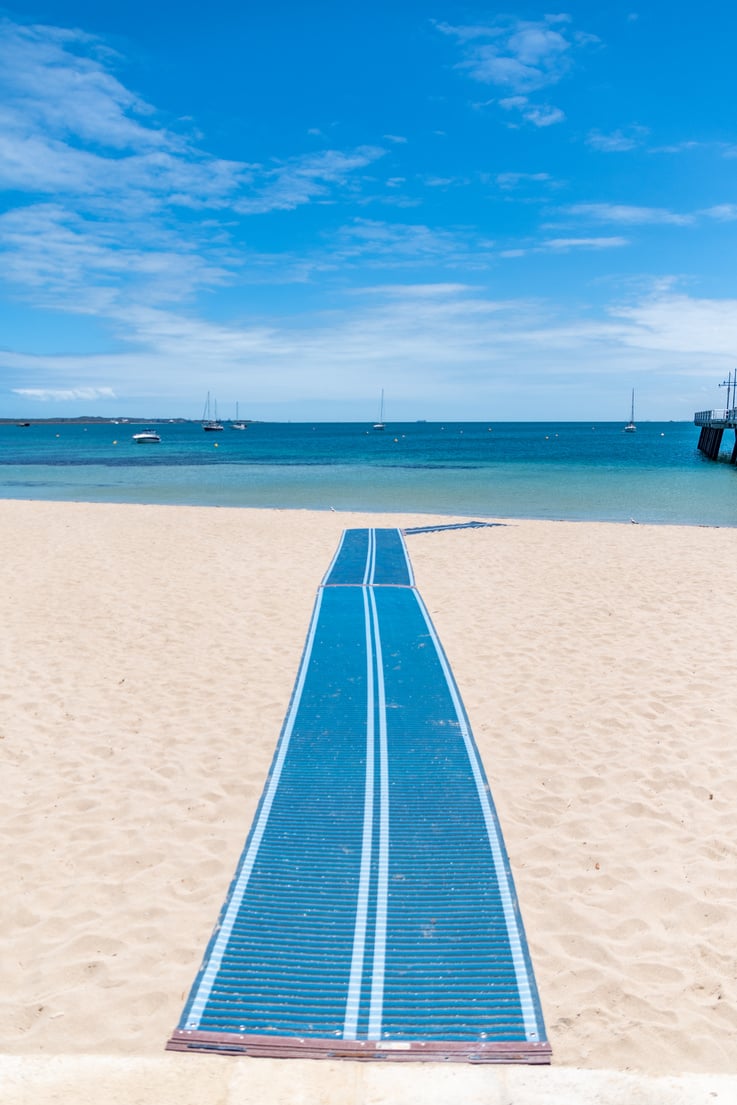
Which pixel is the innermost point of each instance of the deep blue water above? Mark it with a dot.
(566, 470)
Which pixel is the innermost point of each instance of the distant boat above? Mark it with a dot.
(210, 423)
(380, 424)
(23, 423)
(146, 437)
(238, 425)
(630, 428)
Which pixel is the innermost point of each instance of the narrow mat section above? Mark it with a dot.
(452, 525)
(373, 913)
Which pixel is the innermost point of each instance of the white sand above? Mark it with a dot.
(146, 661)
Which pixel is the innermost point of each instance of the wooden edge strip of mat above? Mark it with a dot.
(305, 1047)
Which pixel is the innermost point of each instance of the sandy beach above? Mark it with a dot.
(148, 655)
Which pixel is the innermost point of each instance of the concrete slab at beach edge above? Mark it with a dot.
(89, 1080)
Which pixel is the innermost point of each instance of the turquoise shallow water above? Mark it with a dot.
(534, 470)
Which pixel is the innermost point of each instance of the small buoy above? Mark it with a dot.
(57, 435)
(396, 439)
(662, 435)
(115, 443)
(216, 443)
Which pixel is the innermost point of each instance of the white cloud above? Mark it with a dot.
(57, 79)
(68, 126)
(564, 244)
(417, 291)
(722, 212)
(404, 244)
(629, 214)
(540, 115)
(305, 179)
(438, 340)
(135, 213)
(543, 116)
(521, 55)
(678, 147)
(514, 180)
(65, 395)
(679, 324)
(83, 265)
(618, 141)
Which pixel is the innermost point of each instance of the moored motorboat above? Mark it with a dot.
(146, 437)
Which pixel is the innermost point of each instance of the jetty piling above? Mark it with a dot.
(713, 423)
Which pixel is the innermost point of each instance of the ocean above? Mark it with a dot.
(561, 470)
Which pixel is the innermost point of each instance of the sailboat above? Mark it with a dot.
(210, 424)
(380, 424)
(630, 428)
(238, 425)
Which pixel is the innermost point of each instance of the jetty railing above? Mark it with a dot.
(724, 417)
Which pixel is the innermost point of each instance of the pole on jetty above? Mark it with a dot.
(728, 385)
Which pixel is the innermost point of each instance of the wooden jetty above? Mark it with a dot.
(714, 423)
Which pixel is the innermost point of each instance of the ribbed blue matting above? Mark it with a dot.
(373, 913)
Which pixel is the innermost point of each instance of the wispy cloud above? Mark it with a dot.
(82, 265)
(681, 324)
(313, 177)
(679, 147)
(540, 115)
(68, 126)
(520, 57)
(617, 141)
(627, 214)
(519, 54)
(722, 212)
(565, 244)
(110, 208)
(427, 336)
(404, 244)
(510, 181)
(64, 395)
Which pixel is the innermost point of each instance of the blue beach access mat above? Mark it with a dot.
(373, 913)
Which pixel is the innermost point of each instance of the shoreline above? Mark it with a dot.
(149, 658)
(367, 515)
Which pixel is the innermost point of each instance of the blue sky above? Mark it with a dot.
(493, 213)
